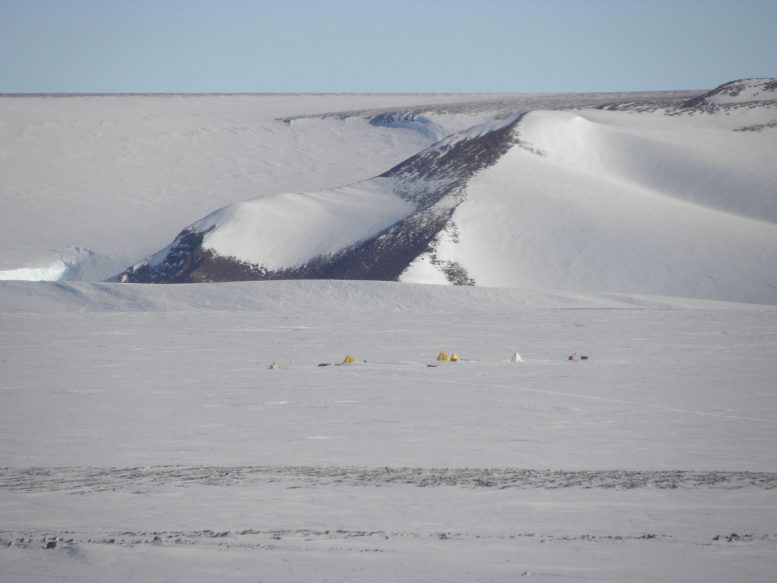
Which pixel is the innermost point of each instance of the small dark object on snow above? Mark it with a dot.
(324, 364)
(733, 537)
(51, 544)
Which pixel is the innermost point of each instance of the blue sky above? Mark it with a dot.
(390, 46)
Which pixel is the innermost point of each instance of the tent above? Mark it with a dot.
(349, 359)
(443, 356)
(516, 358)
(454, 357)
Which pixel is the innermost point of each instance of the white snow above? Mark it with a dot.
(53, 272)
(477, 131)
(139, 411)
(423, 271)
(585, 200)
(286, 230)
(122, 175)
(602, 201)
(70, 264)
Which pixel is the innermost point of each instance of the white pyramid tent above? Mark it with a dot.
(516, 358)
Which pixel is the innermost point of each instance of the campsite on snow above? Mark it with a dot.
(452, 337)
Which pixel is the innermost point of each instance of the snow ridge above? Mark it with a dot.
(370, 230)
(591, 200)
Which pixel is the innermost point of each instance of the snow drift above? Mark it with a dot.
(71, 264)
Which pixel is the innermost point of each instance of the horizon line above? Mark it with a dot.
(317, 93)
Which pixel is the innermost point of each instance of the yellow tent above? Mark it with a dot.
(455, 357)
(349, 359)
(443, 356)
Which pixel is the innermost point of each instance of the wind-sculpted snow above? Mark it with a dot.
(149, 164)
(602, 200)
(371, 230)
(72, 264)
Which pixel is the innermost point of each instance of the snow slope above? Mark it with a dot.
(614, 201)
(144, 436)
(369, 230)
(119, 175)
(288, 229)
(147, 164)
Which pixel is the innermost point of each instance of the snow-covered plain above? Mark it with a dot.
(142, 426)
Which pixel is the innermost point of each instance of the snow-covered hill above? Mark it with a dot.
(670, 200)
(756, 90)
(118, 175)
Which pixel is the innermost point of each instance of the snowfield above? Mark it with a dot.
(210, 432)
(145, 437)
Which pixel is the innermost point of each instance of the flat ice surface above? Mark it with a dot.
(134, 412)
